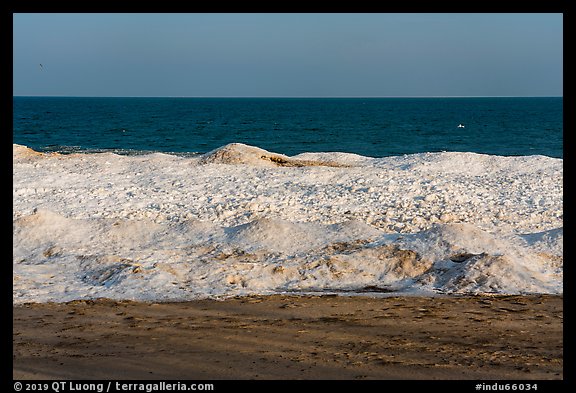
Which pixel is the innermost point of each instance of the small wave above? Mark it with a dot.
(73, 150)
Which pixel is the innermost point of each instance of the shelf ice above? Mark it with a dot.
(240, 220)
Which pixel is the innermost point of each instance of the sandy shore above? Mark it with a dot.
(288, 337)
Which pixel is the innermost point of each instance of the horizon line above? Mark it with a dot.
(365, 97)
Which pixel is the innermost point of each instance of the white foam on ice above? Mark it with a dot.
(241, 220)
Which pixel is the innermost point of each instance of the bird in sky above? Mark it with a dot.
(41, 66)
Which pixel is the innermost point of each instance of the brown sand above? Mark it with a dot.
(288, 337)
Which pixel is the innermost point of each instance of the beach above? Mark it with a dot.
(293, 337)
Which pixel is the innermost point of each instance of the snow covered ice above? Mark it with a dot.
(240, 220)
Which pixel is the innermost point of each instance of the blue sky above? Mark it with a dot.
(288, 55)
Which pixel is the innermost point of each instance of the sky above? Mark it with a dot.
(288, 55)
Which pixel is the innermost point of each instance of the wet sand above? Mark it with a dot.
(290, 337)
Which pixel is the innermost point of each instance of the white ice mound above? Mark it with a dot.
(491, 274)
(44, 232)
(239, 153)
(161, 227)
(21, 152)
(334, 159)
(273, 235)
(60, 259)
(280, 236)
(470, 260)
(470, 164)
(547, 242)
(442, 241)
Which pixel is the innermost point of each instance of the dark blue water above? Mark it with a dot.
(374, 127)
